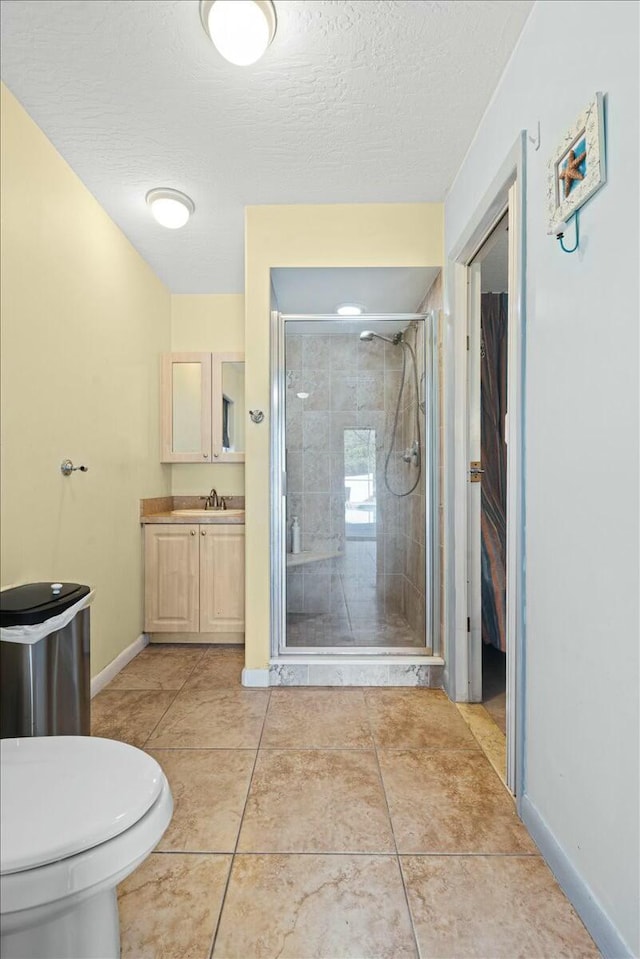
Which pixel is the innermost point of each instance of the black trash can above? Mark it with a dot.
(45, 673)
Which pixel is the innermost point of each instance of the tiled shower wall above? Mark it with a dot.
(351, 384)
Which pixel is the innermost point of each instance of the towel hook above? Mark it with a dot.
(67, 468)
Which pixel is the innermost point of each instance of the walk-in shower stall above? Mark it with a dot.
(354, 474)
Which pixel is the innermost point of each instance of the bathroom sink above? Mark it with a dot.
(208, 512)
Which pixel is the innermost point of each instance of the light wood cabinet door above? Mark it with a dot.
(221, 579)
(186, 408)
(171, 559)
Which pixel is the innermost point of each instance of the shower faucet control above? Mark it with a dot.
(412, 455)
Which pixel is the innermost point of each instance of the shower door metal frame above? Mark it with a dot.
(279, 490)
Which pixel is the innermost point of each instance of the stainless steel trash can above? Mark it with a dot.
(44, 684)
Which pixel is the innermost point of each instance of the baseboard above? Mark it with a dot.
(255, 677)
(604, 933)
(106, 675)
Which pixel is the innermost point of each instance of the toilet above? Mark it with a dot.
(78, 814)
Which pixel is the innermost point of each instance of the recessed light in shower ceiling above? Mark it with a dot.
(350, 309)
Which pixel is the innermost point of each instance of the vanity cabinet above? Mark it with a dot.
(194, 580)
(202, 408)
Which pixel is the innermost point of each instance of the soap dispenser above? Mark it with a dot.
(295, 535)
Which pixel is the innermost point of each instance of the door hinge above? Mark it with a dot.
(475, 471)
(468, 624)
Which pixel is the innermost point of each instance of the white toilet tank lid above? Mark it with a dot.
(61, 795)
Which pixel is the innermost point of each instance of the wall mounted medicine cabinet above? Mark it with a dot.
(202, 412)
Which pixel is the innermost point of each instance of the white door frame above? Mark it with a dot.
(474, 490)
(507, 188)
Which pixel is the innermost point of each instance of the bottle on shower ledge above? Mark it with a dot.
(295, 535)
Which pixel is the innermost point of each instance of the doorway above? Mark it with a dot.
(488, 360)
(463, 680)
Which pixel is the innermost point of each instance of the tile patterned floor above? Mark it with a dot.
(324, 824)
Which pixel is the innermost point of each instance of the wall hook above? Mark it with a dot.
(257, 416)
(535, 141)
(560, 230)
(67, 468)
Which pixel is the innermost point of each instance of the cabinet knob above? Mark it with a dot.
(205, 456)
(193, 532)
(216, 454)
(203, 532)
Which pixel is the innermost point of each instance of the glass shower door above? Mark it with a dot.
(357, 476)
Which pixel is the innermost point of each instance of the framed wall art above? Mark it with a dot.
(577, 168)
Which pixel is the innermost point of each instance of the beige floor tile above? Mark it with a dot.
(502, 907)
(158, 667)
(209, 788)
(317, 719)
(170, 905)
(416, 719)
(496, 706)
(315, 907)
(215, 718)
(491, 739)
(316, 801)
(218, 667)
(128, 715)
(450, 801)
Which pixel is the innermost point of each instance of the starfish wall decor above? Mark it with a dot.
(576, 168)
(571, 171)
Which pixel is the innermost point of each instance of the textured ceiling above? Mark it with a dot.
(355, 101)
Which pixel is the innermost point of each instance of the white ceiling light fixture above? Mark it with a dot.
(241, 30)
(350, 309)
(170, 207)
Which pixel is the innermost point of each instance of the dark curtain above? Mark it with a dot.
(494, 462)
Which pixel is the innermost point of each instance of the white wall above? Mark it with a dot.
(581, 445)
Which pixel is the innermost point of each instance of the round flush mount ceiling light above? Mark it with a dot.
(241, 30)
(349, 309)
(170, 207)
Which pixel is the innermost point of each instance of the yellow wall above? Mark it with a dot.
(363, 235)
(84, 320)
(207, 323)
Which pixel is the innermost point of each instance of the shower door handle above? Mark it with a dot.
(475, 471)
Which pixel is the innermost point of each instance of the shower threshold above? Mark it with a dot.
(367, 668)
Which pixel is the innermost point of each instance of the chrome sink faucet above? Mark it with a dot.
(213, 501)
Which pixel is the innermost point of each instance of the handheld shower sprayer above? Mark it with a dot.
(413, 454)
(368, 335)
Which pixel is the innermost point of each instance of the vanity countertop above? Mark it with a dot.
(190, 509)
(197, 517)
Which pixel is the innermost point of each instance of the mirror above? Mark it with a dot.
(232, 406)
(228, 407)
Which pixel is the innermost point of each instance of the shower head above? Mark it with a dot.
(368, 335)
